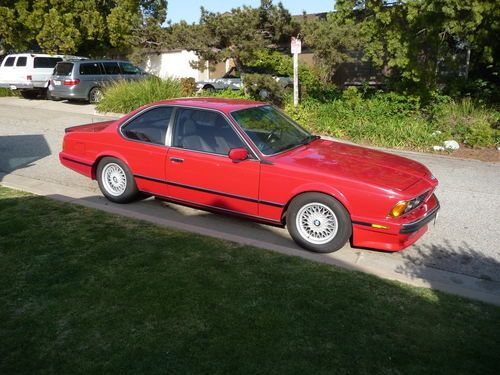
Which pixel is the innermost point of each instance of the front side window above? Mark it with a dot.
(270, 130)
(90, 69)
(111, 67)
(45, 62)
(10, 61)
(150, 126)
(21, 61)
(128, 68)
(207, 131)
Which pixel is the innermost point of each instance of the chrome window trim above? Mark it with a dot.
(170, 134)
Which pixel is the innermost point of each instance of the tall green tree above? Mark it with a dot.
(78, 26)
(239, 34)
(418, 39)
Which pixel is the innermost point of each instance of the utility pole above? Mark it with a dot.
(296, 47)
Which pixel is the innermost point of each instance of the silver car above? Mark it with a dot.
(84, 80)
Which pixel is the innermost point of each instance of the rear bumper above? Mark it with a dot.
(399, 233)
(77, 164)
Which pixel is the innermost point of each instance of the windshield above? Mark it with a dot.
(270, 130)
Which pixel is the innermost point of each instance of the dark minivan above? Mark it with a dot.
(84, 79)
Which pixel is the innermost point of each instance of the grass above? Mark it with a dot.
(7, 92)
(125, 96)
(82, 291)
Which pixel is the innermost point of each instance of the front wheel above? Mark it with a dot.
(115, 181)
(318, 222)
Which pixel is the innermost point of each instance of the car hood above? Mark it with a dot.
(356, 163)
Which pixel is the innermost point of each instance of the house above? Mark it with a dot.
(176, 64)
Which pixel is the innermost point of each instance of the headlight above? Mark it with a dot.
(403, 207)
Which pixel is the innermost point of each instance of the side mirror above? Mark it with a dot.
(238, 154)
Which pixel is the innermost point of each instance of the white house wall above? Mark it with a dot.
(173, 64)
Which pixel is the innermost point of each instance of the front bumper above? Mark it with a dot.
(399, 233)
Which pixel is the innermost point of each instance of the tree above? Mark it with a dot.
(239, 34)
(418, 39)
(78, 26)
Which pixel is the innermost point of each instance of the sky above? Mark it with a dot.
(189, 10)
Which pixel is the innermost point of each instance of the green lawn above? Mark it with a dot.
(82, 291)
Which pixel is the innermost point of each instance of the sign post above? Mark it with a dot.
(296, 46)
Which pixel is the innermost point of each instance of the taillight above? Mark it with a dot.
(71, 82)
(29, 78)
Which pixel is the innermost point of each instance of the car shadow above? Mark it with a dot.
(20, 151)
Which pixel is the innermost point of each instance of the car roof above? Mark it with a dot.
(94, 61)
(222, 104)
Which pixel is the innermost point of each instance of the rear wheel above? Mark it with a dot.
(318, 222)
(115, 181)
(95, 95)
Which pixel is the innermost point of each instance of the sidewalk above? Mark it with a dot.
(384, 267)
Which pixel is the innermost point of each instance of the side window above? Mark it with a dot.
(45, 62)
(111, 67)
(128, 68)
(21, 61)
(151, 126)
(10, 61)
(207, 131)
(90, 69)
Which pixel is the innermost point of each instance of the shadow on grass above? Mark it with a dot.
(83, 291)
(20, 151)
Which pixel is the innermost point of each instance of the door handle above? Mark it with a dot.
(176, 160)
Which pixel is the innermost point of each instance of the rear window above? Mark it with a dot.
(10, 61)
(21, 61)
(46, 62)
(111, 67)
(90, 68)
(63, 69)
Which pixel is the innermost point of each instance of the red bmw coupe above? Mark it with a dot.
(248, 158)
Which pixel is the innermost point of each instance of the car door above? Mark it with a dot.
(112, 71)
(198, 167)
(144, 149)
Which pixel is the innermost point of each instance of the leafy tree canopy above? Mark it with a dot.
(78, 26)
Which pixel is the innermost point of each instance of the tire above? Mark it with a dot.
(116, 182)
(29, 94)
(209, 88)
(95, 95)
(306, 220)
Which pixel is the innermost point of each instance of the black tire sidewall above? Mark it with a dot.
(344, 222)
(131, 192)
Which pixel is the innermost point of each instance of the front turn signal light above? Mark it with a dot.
(399, 209)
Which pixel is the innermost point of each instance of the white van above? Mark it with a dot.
(28, 72)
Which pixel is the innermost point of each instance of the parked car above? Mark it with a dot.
(28, 72)
(248, 158)
(84, 80)
(233, 80)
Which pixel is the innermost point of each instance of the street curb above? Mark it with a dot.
(386, 267)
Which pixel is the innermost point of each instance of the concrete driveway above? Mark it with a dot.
(462, 250)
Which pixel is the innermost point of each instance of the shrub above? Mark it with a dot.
(7, 92)
(227, 93)
(125, 96)
(188, 86)
(263, 87)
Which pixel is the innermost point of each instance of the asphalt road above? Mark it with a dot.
(465, 239)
